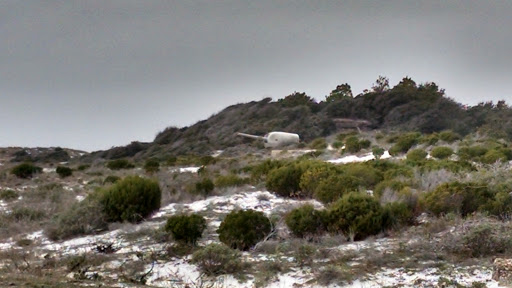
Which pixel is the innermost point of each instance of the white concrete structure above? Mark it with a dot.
(275, 139)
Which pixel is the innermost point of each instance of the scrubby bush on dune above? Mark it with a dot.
(217, 259)
(306, 222)
(230, 180)
(334, 187)
(64, 171)
(26, 170)
(449, 136)
(243, 229)
(396, 215)
(82, 218)
(312, 177)
(441, 152)
(356, 215)
(152, 166)
(204, 186)
(459, 198)
(416, 155)
(131, 199)
(318, 143)
(404, 142)
(119, 164)
(285, 181)
(186, 228)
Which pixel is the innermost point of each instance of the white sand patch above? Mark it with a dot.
(185, 170)
(49, 170)
(355, 158)
(80, 198)
(263, 201)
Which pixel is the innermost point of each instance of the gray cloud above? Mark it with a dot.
(93, 74)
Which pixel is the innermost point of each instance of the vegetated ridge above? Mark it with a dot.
(408, 106)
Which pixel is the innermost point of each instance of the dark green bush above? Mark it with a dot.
(64, 171)
(186, 228)
(119, 164)
(441, 152)
(261, 170)
(243, 229)
(457, 197)
(378, 152)
(452, 166)
(26, 170)
(356, 215)
(482, 241)
(131, 199)
(334, 187)
(152, 166)
(204, 187)
(217, 259)
(395, 185)
(306, 222)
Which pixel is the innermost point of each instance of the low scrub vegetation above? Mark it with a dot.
(186, 228)
(26, 170)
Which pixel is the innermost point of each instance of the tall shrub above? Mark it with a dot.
(131, 199)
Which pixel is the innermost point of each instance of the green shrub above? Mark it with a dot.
(449, 136)
(243, 229)
(285, 181)
(396, 215)
(83, 167)
(151, 166)
(131, 199)
(119, 164)
(8, 194)
(483, 240)
(430, 139)
(452, 166)
(306, 222)
(230, 180)
(352, 144)
(25, 170)
(318, 144)
(217, 259)
(378, 152)
(334, 187)
(312, 177)
(367, 174)
(456, 197)
(262, 169)
(356, 215)
(493, 156)
(395, 185)
(82, 218)
(441, 152)
(111, 179)
(186, 228)
(64, 171)
(204, 187)
(471, 153)
(416, 155)
(404, 142)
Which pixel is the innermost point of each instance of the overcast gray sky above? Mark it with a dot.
(95, 74)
